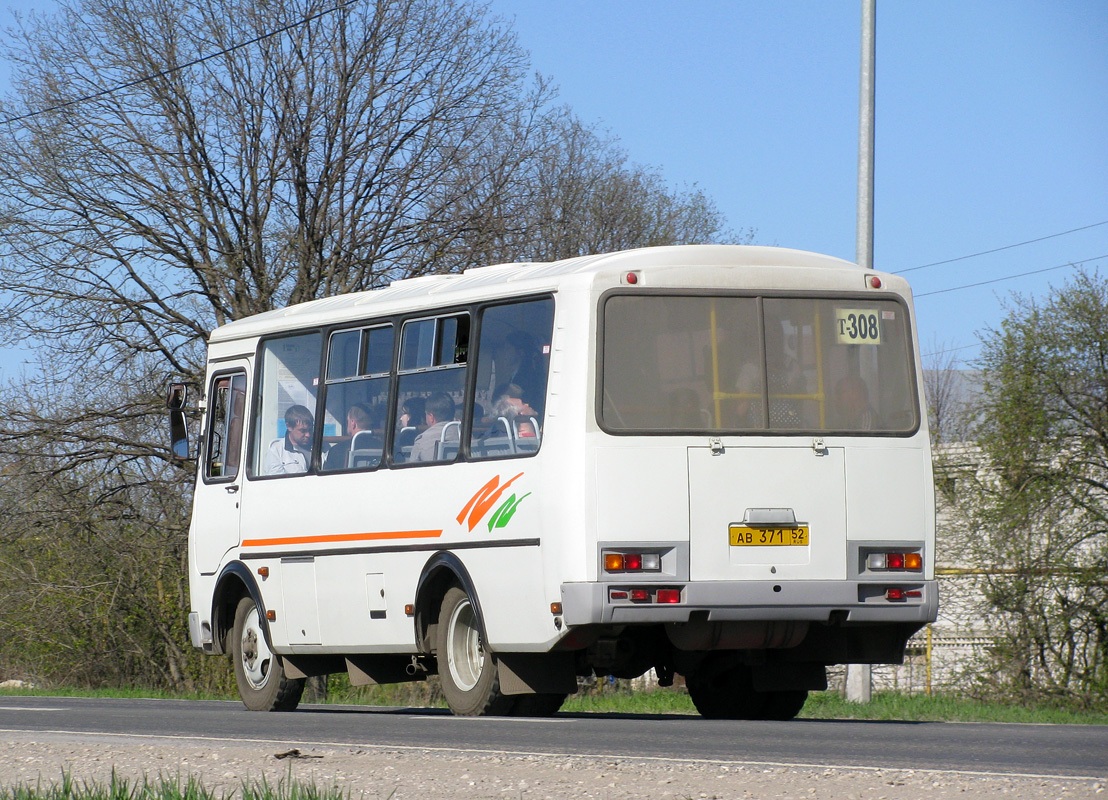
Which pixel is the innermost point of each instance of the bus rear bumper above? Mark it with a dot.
(717, 601)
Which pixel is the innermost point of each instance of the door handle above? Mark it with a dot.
(233, 488)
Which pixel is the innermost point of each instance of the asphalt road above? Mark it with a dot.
(1056, 750)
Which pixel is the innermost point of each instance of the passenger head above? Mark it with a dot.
(440, 408)
(514, 351)
(357, 419)
(851, 397)
(412, 412)
(508, 401)
(299, 424)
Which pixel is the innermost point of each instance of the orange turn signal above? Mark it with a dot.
(613, 562)
(913, 561)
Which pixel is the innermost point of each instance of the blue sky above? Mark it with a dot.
(992, 127)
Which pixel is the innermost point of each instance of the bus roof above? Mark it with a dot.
(523, 277)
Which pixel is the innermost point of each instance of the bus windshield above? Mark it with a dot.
(695, 363)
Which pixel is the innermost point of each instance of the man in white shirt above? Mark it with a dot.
(439, 411)
(293, 454)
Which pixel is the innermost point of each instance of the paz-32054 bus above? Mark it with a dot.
(709, 461)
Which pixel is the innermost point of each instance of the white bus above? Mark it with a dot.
(708, 461)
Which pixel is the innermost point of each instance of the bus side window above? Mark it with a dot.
(227, 401)
(430, 389)
(513, 356)
(287, 387)
(357, 387)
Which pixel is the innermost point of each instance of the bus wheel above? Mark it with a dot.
(468, 672)
(258, 672)
(537, 705)
(785, 704)
(726, 694)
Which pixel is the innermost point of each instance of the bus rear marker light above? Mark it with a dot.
(669, 595)
(640, 596)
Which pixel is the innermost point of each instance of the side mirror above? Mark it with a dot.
(177, 396)
(175, 401)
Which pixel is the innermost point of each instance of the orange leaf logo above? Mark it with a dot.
(484, 500)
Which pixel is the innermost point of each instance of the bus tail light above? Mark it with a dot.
(632, 562)
(911, 562)
(897, 594)
(669, 595)
(640, 595)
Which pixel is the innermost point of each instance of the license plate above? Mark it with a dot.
(741, 535)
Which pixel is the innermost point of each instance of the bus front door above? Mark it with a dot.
(215, 517)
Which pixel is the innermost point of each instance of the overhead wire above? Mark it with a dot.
(999, 249)
(179, 68)
(1010, 277)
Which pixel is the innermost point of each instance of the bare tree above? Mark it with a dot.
(950, 390)
(167, 166)
(225, 180)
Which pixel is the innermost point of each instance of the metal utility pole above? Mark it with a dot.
(864, 244)
(859, 678)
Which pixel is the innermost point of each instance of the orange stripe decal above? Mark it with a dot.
(342, 537)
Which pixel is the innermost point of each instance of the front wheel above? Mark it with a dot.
(467, 670)
(258, 672)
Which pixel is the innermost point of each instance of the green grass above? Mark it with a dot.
(820, 705)
(941, 708)
(165, 788)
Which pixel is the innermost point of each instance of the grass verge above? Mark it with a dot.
(165, 788)
(820, 705)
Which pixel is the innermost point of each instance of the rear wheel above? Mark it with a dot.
(537, 705)
(784, 705)
(261, 679)
(467, 670)
(726, 693)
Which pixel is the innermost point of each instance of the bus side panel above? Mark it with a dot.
(351, 537)
(642, 493)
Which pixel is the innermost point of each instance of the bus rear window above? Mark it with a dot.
(756, 364)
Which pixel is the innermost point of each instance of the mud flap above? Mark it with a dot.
(536, 673)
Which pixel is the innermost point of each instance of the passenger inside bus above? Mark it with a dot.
(359, 427)
(292, 454)
(409, 424)
(441, 428)
(852, 405)
(509, 406)
(517, 361)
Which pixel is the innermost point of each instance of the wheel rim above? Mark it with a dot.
(464, 653)
(255, 655)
